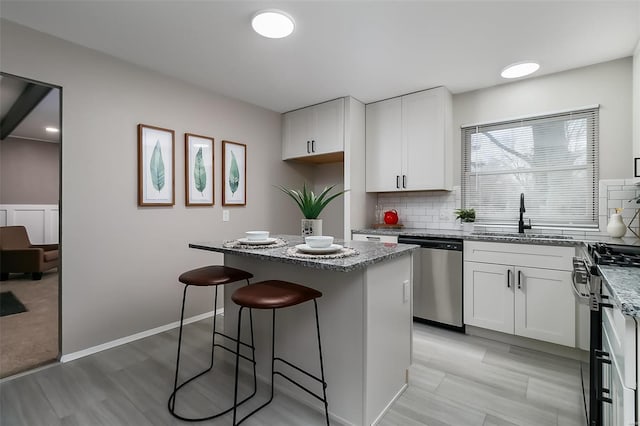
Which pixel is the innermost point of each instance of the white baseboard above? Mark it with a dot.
(384, 411)
(128, 339)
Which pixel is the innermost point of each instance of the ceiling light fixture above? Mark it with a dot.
(520, 69)
(52, 129)
(272, 23)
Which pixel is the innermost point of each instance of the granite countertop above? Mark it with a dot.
(531, 237)
(624, 284)
(369, 253)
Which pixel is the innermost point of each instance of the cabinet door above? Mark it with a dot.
(424, 160)
(545, 305)
(488, 296)
(328, 129)
(296, 127)
(384, 145)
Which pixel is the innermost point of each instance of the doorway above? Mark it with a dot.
(30, 194)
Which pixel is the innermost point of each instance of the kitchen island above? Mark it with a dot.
(365, 321)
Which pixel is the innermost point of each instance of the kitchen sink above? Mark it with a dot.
(527, 236)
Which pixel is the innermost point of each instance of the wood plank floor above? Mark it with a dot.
(456, 380)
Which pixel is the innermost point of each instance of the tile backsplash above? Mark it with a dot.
(427, 209)
(434, 209)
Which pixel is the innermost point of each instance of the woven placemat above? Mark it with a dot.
(344, 252)
(279, 242)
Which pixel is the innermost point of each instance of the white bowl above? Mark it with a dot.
(257, 235)
(318, 241)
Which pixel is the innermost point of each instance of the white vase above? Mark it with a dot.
(616, 227)
(311, 227)
(467, 226)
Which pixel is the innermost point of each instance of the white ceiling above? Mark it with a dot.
(367, 49)
(45, 114)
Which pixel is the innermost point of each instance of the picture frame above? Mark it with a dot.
(234, 174)
(198, 170)
(156, 166)
(636, 167)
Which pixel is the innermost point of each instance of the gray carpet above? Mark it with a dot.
(30, 339)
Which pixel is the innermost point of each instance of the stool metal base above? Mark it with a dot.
(171, 404)
(274, 372)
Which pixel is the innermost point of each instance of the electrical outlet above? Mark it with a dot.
(225, 215)
(443, 215)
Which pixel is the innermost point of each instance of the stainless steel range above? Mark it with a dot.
(588, 283)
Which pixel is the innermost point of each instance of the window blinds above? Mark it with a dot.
(552, 159)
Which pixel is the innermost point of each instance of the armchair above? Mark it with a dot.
(17, 254)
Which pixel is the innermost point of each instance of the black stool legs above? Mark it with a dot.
(172, 399)
(274, 372)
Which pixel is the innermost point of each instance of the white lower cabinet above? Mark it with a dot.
(512, 296)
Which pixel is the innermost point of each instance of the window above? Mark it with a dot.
(552, 160)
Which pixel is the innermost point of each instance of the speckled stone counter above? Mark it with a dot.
(502, 237)
(624, 284)
(369, 253)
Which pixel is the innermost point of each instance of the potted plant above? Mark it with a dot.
(467, 217)
(311, 205)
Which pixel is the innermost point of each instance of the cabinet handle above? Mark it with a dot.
(398, 181)
(313, 145)
(519, 278)
(404, 181)
(508, 278)
(373, 238)
(308, 151)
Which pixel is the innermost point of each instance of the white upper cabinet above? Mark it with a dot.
(409, 142)
(313, 131)
(383, 145)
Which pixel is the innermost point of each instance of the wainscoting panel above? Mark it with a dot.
(41, 220)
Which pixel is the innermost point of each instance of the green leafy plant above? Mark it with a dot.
(311, 204)
(466, 215)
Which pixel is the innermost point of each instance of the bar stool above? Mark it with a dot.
(275, 294)
(207, 276)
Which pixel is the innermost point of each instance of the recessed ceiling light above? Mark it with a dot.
(272, 23)
(52, 129)
(519, 69)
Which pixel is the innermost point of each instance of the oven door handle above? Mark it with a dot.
(574, 287)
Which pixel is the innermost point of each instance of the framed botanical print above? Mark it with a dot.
(234, 174)
(198, 170)
(156, 169)
(636, 167)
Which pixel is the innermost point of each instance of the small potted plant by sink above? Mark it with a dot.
(467, 217)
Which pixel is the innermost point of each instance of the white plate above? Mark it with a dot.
(257, 242)
(321, 250)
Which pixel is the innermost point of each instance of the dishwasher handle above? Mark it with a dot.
(438, 244)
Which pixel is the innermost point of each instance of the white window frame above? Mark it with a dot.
(486, 215)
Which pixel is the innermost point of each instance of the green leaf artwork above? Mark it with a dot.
(156, 166)
(234, 174)
(199, 173)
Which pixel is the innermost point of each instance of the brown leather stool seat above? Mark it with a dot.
(207, 276)
(277, 294)
(213, 275)
(273, 294)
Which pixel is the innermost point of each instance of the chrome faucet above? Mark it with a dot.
(521, 225)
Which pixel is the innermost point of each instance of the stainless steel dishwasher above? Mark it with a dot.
(437, 281)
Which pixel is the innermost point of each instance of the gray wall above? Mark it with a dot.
(608, 84)
(120, 261)
(29, 171)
